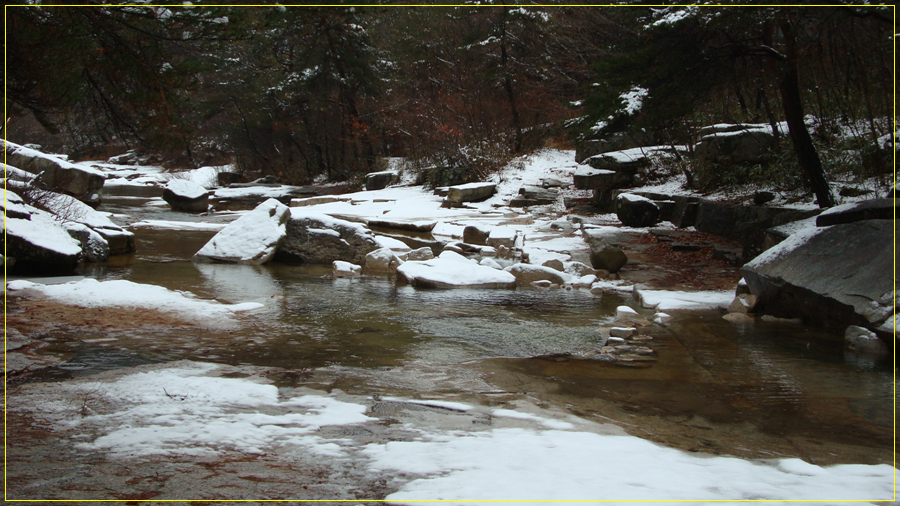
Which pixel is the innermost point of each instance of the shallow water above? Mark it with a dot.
(782, 378)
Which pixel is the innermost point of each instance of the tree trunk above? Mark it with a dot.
(792, 104)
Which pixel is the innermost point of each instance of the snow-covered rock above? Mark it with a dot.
(320, 239)
(832, 276)
(342, 269)
(57, 174)
(381, 180)
(502, 236)
(471, 192)
(40, 244)
(93, 246)
(636, 211)
(382, 260)
(476, 234)
(420, 254)
(186, 196)
(527, 274)
(251, 239)
(452, 270)
(69, 209)
(862, 340)
(735, 143)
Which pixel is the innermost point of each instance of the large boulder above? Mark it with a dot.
(381, 180)
(603, 254)
(422, 226)
(626, 161)
(472, 192)
(829, 276)
(526, 274)
(587, 178)
(38, 242)
(476, 234)
(636, 211)
(57, 174)
(320, 239)
(186, 196)
(875, 209)
(251, 239)
(452, 270)
(743, 144)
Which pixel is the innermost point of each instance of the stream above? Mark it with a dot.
(766, 390)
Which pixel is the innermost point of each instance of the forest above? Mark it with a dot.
(327, 93)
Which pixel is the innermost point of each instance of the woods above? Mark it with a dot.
(303, 93)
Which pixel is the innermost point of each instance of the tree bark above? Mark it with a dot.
(792, 104)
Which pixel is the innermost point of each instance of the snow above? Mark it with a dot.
(453, 269)
(252, 238)
(177, 225)
(514, 464)
(450, 405)
(549, 423)
(187, 189)
(120, 293)
(182, 410)
(633, 99)
(390, 242)
(44, 231)
(253, 191)
(666, 300)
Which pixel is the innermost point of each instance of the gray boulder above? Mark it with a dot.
(875, 209)
(831, 277)
(474, 234)
(56, 174)
(636, 211)
(603, 254)
(321, 239)
(186, 196)
(744, 144)
(586, 178)
(381, 180)
(472, 192)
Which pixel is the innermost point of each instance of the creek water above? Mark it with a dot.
(776, 379)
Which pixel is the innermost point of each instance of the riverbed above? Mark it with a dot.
(773, 390)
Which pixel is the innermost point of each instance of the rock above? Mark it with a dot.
(586, 178)
(421, 254)
(94, 247)
(738, 318)
(382, 260)
(543, 283)
(743, 303)
(502, 236)
(186, 196)
(57, 174)
(741, 288)
(554, 264)
(636, 211)
(549, 182)
(626, 314)
(861, 340)
(409, 226)
(623, 332)
(762, 197)
(472, 192)
(661, 318)
(321, 239)
(314, 201)
(527, 274)
(40, 244)
(875, 209)
(251, 239)
(741, 144)
(578, 269)
(603, 254)
(341, 269)
(626, 161)
(490, 262)
(381, 180)
(585, 281)
(69, 209)
(475, 234)
(451, 270)
(781, 321)
(614, 340)
(831, 276)
(228, 178)
(534, 196)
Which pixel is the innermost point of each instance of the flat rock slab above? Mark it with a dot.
(830, 276)
(471, 192)
(876, 209)
(411, 226)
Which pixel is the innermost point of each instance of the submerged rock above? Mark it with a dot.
(251, 239)
(340, 269)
